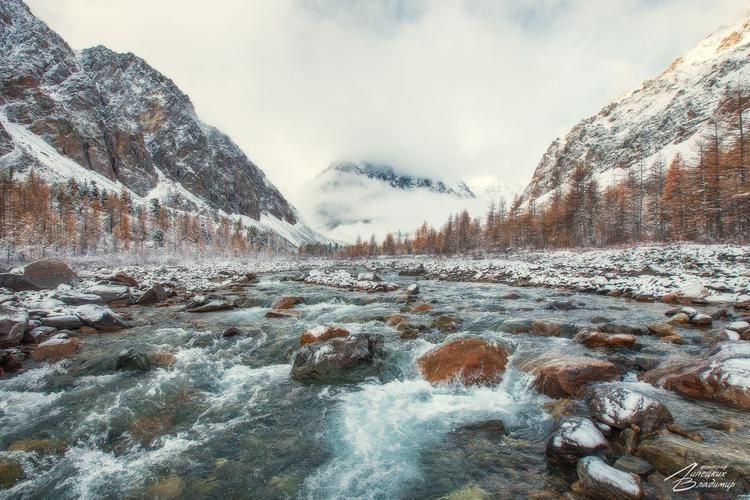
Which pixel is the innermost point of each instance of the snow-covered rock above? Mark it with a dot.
(599, 480)
(621, 408)
(575, 437)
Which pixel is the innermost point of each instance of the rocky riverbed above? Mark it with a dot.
(383, 379)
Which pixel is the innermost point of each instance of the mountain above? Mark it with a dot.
(350, 199)
(668, 114)
(110, 118)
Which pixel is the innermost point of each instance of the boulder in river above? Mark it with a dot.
(154, 295)
(368, 276)
(13, 324)
(11, 473)
(723, 375)
(560, 376)
(55, 348)
(600, 339)
(576, 437)
(39, 275)
(100, 317)
(282, 313)
(621, 408)
(63, 321)
(9, 361)
(337, 359)
(413, 271)
(412, 289)
(212, 306)
(321, 334)
(287, 302)
(121, 277)
(661, 329)
(599, 480)
(447, 323)
(470, 361)
(110, 291)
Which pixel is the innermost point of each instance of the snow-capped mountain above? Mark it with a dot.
(112, 119)
(665, 115)
(350, 199)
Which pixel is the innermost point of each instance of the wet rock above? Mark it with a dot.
(50, 446)
(63, 321)
(680, 318)
(282, 313)
(39, 334)
(701, 320)
(9, 361)
(742, 302)
(599, 480)
(670, 453)
(601, 339)
(110, 292)
(723, 375)
(575, 437)
(562, 407)
(564, 305)
(469, 492)
(232, 331)
(661, 329)
(622, 408)
(55, 348)
(337, 359)
(560, 376)
(149, 428)
(546, 328)
(154, 295)
(212, 306)
(169, 488)
(162, 359)
(412, 289)
(739, 326)
(120, 277)
(618, 328)
(516, 326)
(13, 324)
(321, 334)
(76, 298)
(446, 323)
(130, 359)
(676, 429)
(634, 465)
(422, 307)
(248, 302)
(368, 276)
(287, 302)
(100, 317)
(126, 359)
(40, 275)
(414, 271)
(11, 473)
(394, 320)
(510, 296)
(470, 361)
(493, 428)
(627, 440)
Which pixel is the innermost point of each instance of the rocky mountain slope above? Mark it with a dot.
(665, 115)
(110, 118)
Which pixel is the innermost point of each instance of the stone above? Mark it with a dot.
(287, 302)
(282, 313)
(564, 305)
(126, 359)
(54, 349)
(9, 361)
(63, 321)
(321, 334)
(563, 376)
(169, 488)
(413, 271)
(546, 328)
(368, 276)
(634, 465)
(162, 359)
(154, 295)
(575, 437)
(469, 492)
(337, 359)
(394, 320)
(422, 307)
(148, 428)
(446, 323)
(516, 326)
(13, 324)
(110, 292)
(412, 289)
(701, 320)
(622, 408)
(661, 329)
(469, 361)
(232, 331)
(50, 446)
(680, 318)
(676, 429)
(100, 317)
(723, 375)
(212, 306)
(39, 334)
(11, 473)
(130, 359)
(42, 274)
(599, 480)
(76, 298)
(123, 278)
(620, 329)
(601, 339)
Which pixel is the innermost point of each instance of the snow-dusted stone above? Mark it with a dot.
(599, 480)
(701, 320)
(469, 361)
(13, 324)
(742, 302)
(121, 277)
(154, 295)
(76, 298)
(369, 276)
(99, 317)
(564, 376)
(339, 359)
(413, 271)
(39, 334)
(63, 321)
(739, 326)
(55, 348)
(321, 334)
(722, 376)
(576, 437)
(39, 275)
(212, 306)
(412, 289)
(621, 408)
(283, 313)
(693, 290)
(110, 292)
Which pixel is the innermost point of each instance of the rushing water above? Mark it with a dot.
(226, 420)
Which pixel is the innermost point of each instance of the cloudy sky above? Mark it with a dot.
(451, 89)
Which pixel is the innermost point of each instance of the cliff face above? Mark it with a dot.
(112, 118)
(665, 115)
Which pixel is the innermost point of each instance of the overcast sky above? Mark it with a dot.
(451, 89)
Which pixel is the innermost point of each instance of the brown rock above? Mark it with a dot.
(422, 307)
(287, 302)
(669, 298)
(147, 429)
(446, 323)
(394, 319)
(471, 361)
(564, 376)
(51, 446)
(53, 349)
(162, 359)
(88, 330)
(676, 429)
(39, 275)
(123, 278)
(282, 313)
(600, 339)
(661, 329)
(11, 473)
(322, 333)
(673, 339)
(680, 318)
(169, 488)
(546, 328)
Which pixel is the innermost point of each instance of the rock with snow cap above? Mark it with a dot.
(621, 408)
(39, 275)
(13, 324)
(575, 437)
(368, 276)
(99, 317)
(212, 306)
(110, 291)
(62, 321)
(599, 480)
